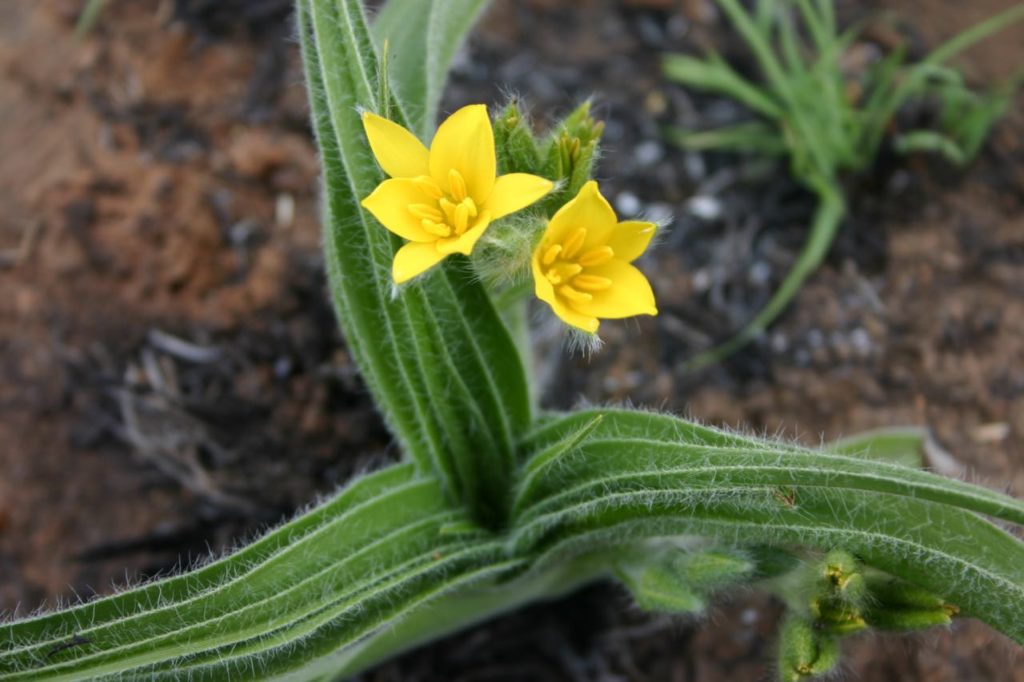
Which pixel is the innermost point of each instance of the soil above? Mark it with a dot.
(172, 379)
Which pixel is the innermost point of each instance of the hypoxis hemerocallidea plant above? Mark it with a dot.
(827, 121)
(494, 504)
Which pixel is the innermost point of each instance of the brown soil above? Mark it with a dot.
(171, 378)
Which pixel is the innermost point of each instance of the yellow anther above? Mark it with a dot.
(568, 270)
(572, 245)
(591, 282)
(426, 212)
(449, 210)
(562, 272)
(598, 256)
(436, 228)
(461, 221)
(574, 294)
(551, 254)
(426, 184)
(456, 185)
(471, 205)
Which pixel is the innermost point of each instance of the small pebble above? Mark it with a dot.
(861, 341)
(705, 207)
(759, 273)
(996, 432)
(701, 280)
(627, 203)
(695, 167)
(647, 153)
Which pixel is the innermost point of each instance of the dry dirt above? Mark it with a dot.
(171, 378)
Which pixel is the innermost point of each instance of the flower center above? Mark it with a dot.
(445, 214)
(565, 265)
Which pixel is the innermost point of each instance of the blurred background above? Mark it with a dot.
(172, 379)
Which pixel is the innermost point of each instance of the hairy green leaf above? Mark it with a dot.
(440, 362)
(422, 39)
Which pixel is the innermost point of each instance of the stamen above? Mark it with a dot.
(426, 184)
(449, 210)
(573, 294)
(468, 201)
(598, 256)
(426, 212)
(456, 185)
(591, 282)
(568, 270)
(553, 277)
(461, 221)
(435, 228)
(572, 245)
(551, 254)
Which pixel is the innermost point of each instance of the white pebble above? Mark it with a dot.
(704, 207)
(627, 203)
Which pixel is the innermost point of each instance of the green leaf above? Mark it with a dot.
(915, 525)
(439, 360)
(379, 568)
(753, 137)
(423, 37)
(714, 74)
(896, 445)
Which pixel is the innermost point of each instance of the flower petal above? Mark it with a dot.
(398, 151)
(464, 244)
(413, 259)
(515, 191)
(630, 293)
(546, 292)
(588, 210)
(465, 142)
(630, 238)
(389, 204)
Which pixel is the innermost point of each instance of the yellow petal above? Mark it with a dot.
(630, 293)
(546, 292)
(390, 203)
(413, 259)
(630, 238)
(465, 143)
(467, 240)
(398, 151)
(515, 191)
(588, 210)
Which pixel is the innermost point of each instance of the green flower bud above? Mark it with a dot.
(515, 143)
(658, 587)
(892, 592)
(805, 652)
(711, 570)
(909, 619)
(569, 154)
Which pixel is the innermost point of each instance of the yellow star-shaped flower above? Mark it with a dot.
(581, 268)
(442, 200)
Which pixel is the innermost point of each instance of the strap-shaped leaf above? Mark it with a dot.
(639, 475)
(423, 37)
(436, 355)
(384, 565)
(287, 604)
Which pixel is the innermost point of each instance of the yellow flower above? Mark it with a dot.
(443, 199)
(581, 268)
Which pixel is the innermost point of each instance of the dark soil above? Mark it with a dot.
(171, 377)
